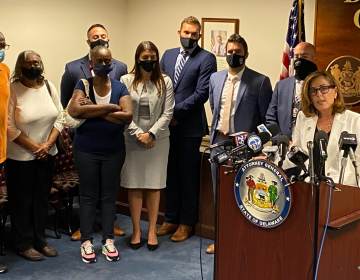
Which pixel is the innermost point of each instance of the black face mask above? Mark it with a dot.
(99, 42)
(188, 43)
(102, 70)
(303, 68)
(32, 73)
(147, 65)
(235, 60)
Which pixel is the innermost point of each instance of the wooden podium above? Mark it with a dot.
(245, 251)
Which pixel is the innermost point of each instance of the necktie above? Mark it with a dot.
(229, 93)
(180, 66)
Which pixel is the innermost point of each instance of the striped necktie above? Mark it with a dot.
(180, 66)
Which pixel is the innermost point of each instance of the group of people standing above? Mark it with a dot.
(143, 130)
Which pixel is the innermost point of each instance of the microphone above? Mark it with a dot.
(348, 143)
(225, 143)
(321, 138)
(256, 142)
(274, 129)
(239, 137)
(298, 157)
(310, 146)
(282, 141)
(253, 145)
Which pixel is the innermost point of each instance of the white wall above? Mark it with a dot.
(57, 29)
(262, 23)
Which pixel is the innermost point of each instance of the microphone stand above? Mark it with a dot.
(314, 184)
(354, 162)
(343, 166)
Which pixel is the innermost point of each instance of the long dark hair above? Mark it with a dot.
(16, 75)
(156, 75)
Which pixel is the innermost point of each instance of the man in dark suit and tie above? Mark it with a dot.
(81, 69)
(239, 98)
(286, 101)
(190, 68)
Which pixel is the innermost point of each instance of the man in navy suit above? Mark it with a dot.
(81, 69)
(286, 101)
(239, 98)
(190, 68)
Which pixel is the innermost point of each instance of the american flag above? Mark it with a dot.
(295, 34)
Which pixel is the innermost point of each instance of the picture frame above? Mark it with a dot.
(215, 32)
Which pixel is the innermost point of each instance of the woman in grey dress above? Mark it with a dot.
(147, 139)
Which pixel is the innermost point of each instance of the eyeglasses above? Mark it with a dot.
(322, 89)
(4, 46)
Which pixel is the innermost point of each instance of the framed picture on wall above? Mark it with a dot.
(215, 32)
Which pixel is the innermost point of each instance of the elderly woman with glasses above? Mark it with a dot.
(323, 109)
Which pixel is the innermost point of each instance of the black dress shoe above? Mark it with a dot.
(136, 246)
(152, 247)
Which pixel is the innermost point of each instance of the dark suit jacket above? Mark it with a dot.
(253, 99)
(191, 90)
(79, 69)
(280, 108)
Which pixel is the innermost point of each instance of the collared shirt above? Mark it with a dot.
(179, 57)
(223, 99)
(296, 106)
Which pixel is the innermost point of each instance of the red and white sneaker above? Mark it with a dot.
(109, 251)
(87, 252)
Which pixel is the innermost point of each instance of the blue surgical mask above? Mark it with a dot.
(2, 55)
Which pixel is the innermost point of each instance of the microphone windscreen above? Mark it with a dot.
(265, 137)
(274, 129)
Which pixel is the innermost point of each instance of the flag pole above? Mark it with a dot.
(300, 19)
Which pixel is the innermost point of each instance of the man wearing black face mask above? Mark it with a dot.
(190, 68)
(286, 101)
(81, 69)
(239, 98)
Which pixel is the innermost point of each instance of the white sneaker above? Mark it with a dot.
(109, 251)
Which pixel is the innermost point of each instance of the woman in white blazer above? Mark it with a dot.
(323, 109)
(147, 139)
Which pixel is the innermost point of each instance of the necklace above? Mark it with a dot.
(325, 124)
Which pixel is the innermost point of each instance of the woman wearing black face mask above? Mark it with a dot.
(34, 125)
(147, 139)
(99, 150)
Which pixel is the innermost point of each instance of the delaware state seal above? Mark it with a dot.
(262, 193)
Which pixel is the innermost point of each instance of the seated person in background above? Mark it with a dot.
(323, 109)
(99, 150)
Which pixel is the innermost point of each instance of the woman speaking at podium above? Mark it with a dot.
(323, 109)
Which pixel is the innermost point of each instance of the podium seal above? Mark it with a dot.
(262, 193)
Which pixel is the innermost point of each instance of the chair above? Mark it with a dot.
(65, 181)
